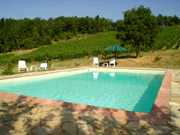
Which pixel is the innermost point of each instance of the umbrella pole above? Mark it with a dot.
(115, 54)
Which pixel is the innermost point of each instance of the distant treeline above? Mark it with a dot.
(167, 20)
(31, 33)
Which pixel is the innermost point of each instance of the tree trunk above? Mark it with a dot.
(115, 54)
(137, 51)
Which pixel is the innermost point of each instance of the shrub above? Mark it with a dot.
(157, 58)
(56, 38)
(45, 40)
(4, 58)
(8, 68)
(28, 43)
(178, 45)
(76, 64)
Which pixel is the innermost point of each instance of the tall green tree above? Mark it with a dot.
(160, 20)
(139, 28)
(175, 19)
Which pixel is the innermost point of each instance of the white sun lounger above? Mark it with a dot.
(22, 65)
(112, 62)
(43, 66)
(95, 62)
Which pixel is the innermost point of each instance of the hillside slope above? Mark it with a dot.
(169, 36)
(93, 45)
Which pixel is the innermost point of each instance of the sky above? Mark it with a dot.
(112, 9)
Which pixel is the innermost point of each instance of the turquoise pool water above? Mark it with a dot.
(126, 91)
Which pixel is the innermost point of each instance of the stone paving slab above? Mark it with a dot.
(175, 98)
(30, 119)
(175, 91)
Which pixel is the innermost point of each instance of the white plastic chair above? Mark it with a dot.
(43, 66)
(22, 65)
(95, 62)
(112, 62)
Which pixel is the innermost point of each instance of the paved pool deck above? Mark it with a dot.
(159, 114)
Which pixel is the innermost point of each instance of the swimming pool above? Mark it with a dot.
(118, 89)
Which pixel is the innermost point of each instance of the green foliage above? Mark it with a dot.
(91, 46)
(157, 58)
(4, 58)
(129, 47)
(28, 43)
(178, 44)
(8, 68)
(6, 63)
(168, 20)
(30, 33)
(139, 28)
(168, 37)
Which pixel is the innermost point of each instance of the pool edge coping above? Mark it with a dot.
(159, 113)
(27, 74)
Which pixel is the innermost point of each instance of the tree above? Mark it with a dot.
(97, 21)
(175, 19)
(160, 20)
(139, 28)
(166, 20)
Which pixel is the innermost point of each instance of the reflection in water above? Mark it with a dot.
(112, 74)
(95, 75)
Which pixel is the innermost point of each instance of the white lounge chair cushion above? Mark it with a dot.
(43, 66)
(112, 61)
(22, 64)
(95, 60)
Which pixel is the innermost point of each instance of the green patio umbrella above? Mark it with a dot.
(115, 48)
